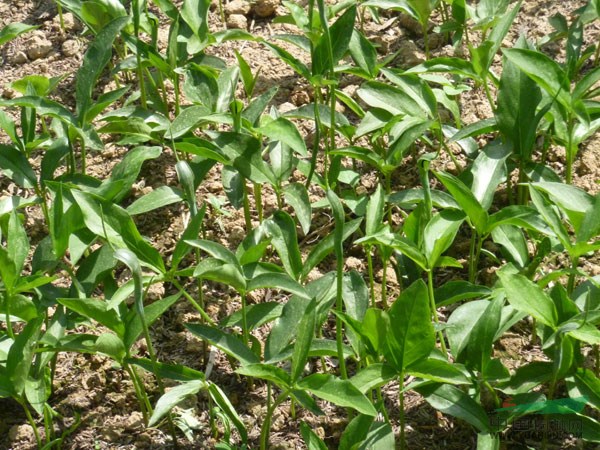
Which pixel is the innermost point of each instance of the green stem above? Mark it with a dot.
(247, 216)
(339, 327)
(266, 426)
(488, 94)
(384, 284)
(258, 201)
(571, 281)
(195, 304)
(401, 412)
(31, 421)
(371, 278)
(434, 313)
(245, 333)
(140, 393)
(381, 401)
(472, 262)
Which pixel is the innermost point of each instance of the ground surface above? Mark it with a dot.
(89, 387)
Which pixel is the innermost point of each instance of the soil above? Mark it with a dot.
(96, 398)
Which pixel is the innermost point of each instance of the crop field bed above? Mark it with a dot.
(184, 260)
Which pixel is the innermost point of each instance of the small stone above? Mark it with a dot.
(350, 90)
(70, 47)
(300, 98)
(410, 24)
(353, 263)
(19, 433)
(436, 40)
(265, 8)
(135, 420)
(237, 7)
(237, 234)
(285, 107)
(9, 93)
(18, 58)
(69, 22)
(409, 54)
(237, 21)
(38, 47)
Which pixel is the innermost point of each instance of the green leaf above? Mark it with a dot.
(453, 401)
(285, 327)
(512, 240)
(438, 370)
(18, 242)
(13, 30)
(128, 169)
(325, 247)
(173, 397)
(363, 52)
(266, 372)
(340, 392)
(518, 98)
(116, 225)
(297, 196)
(96, 309)
(173, 371)
(488, 171)
(544, 71)
(277, 281)
(20, 356)
(304, 338)
(158, 198)
(455, 291)
(96, 57)
(479, 349)
(375, 211)
(246, 155)
(282, 129)
(187, 120)
(111, 346)
(195, 14)
(282, 230)
(338, 37)
(411, 336)
(133, 321)
(312, 441)
(573, 201)
(220, 398)
(225, 342)
(15, 166)
(373, 376)
(466, 199)
(439, 234)
(528, 297)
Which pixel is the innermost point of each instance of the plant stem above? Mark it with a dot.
(258, 201)
(266, 426)
(195, 304)
(384, 302)
(31, 421)
(247, 217)
(339, 327)
(401, 412)
(245, 334)
(371, 278)
(433, 307)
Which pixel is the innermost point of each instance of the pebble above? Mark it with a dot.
(265, 8)
(20, 433)
(17, 58)
(237, 21)
(409, 54)
(69, 22)
(237, 7)
(38, 47)
(70, 47)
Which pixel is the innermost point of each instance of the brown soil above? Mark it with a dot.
(101, 395)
